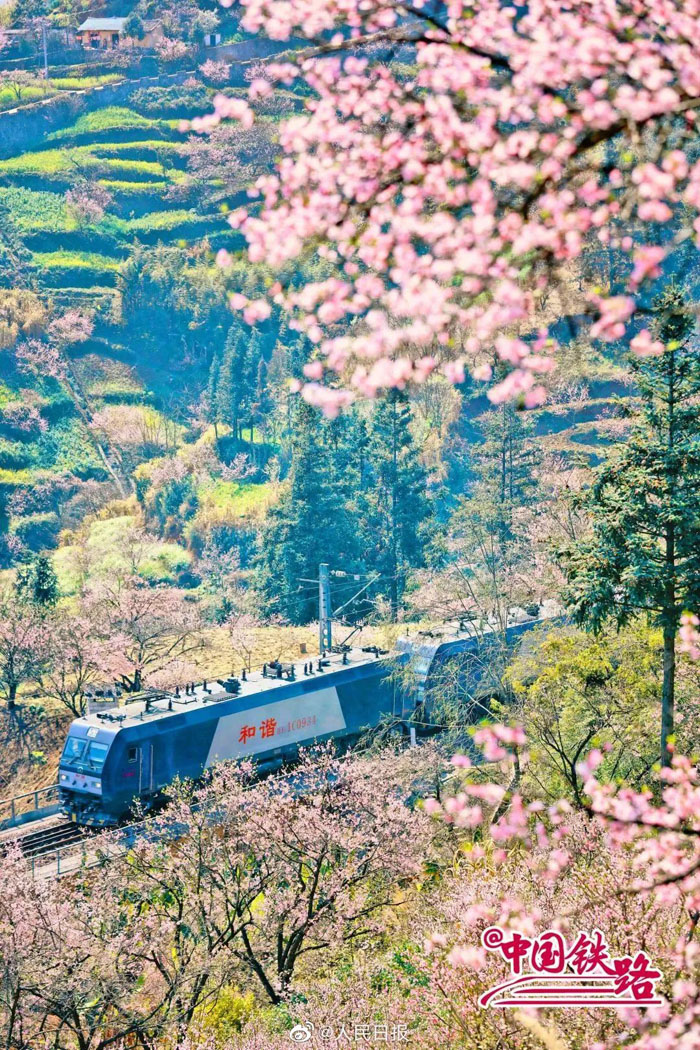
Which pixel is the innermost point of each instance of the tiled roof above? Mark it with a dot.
(114, 25)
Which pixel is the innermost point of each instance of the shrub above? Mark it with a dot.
(176, 100)
(67, 448)
(226, 1016)
(15, 454)
(33, 210)
(36, 531)
(167, 565)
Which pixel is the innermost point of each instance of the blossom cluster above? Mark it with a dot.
(446, 201)
(634, 857)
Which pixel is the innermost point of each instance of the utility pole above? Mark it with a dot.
(46, 57)
(324, 609)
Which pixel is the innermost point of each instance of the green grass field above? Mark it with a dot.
(111, 118)
(83, 160)
(41, 90)
(75, 261)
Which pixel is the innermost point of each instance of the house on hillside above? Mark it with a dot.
(107, 33)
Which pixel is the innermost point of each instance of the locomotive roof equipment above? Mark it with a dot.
(111, 760)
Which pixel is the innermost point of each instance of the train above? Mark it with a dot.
(115, 761)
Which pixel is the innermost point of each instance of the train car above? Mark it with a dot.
(112, 758)
(464, 664)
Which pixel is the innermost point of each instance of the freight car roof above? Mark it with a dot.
(157, 704)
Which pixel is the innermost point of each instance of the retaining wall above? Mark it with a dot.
(25, 127)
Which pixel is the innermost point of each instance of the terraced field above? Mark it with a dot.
(72, 262)
(139, 160)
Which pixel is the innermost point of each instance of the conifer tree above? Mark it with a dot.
(396, 508)
(489, 529)
(213, 410)
(505, 466)
(37, 582)
(236, 383)
(249, 380)
(643, 554)
(312, 523)
(264, 405)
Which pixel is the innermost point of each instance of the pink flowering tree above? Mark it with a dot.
(453, 198)
(172, 52)
(300, 865)
(215, 71)
(23, 638)
(629, 866)
(74, 656)
(46, 357)
(79, 966)
(142, 629)
(87, 202)
(41, 358)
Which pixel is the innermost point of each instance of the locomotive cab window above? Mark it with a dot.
(74, 749)
(96, 754)
(132, 754)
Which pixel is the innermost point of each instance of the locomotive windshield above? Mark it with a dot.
(96, 754)
(74, 749)
(84, 753)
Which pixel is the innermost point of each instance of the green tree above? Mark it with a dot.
(490, 533)
(505, 467)
(213, 408)
(133, 27)
(263, 405)
(312, 523)
(643, 553)
(576, 691)
(249, 380)
(37, 582)
(235, 389)
(395, 505)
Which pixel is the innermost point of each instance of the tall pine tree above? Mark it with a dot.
(489, 532)
(235, 389)
(311, 524)
(213, 408)
(644, 550)
(395, 505)
(505, 466)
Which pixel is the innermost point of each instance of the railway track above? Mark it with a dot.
(47, 840)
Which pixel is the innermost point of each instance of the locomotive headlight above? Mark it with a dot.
(98, 785)
(64, 776)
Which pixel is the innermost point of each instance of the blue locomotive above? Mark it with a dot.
(111, 759)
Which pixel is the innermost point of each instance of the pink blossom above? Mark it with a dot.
(614, 313)
(444, 220)
(643, 345)
(646, 264)
(259, 88)
(257, 310)
(228, 108)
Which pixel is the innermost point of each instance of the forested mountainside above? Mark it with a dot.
(151, 438)
(115, 222)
